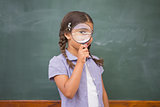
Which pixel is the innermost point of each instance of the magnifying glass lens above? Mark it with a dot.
(82, 33)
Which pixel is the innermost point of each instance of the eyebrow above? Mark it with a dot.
(84, 29)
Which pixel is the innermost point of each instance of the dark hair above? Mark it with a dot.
(74, 18)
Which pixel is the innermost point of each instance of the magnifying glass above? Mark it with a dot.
(82, 33)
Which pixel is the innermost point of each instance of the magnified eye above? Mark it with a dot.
(83, 32)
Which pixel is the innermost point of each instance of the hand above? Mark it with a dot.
(83, 53)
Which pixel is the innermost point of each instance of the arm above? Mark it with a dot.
(105, 97)
(69, 86)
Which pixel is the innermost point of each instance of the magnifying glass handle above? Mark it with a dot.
(85, 45)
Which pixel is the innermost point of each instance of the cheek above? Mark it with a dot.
(75, 44)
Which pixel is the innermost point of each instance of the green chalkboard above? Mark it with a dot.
(126, 36)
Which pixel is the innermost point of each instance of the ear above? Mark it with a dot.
(67, 35)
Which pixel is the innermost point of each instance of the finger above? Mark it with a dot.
(85, 50)
(82, 47)
(87, 55)
(85, 47)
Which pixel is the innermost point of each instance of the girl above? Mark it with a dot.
(78, 74)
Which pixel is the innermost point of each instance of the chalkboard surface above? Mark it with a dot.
(126, 36)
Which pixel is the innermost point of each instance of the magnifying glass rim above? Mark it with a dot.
(83, 42)
(89, 34)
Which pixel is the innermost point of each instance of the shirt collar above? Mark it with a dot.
(71, 56)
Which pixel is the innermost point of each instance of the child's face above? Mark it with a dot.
(71, 41)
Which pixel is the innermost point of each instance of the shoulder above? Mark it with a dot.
(95, 57)
(57, 66)
(100, 67)
(57, 59)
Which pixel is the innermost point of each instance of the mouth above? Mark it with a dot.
(89, 42)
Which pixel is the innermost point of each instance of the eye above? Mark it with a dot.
(83, 32)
